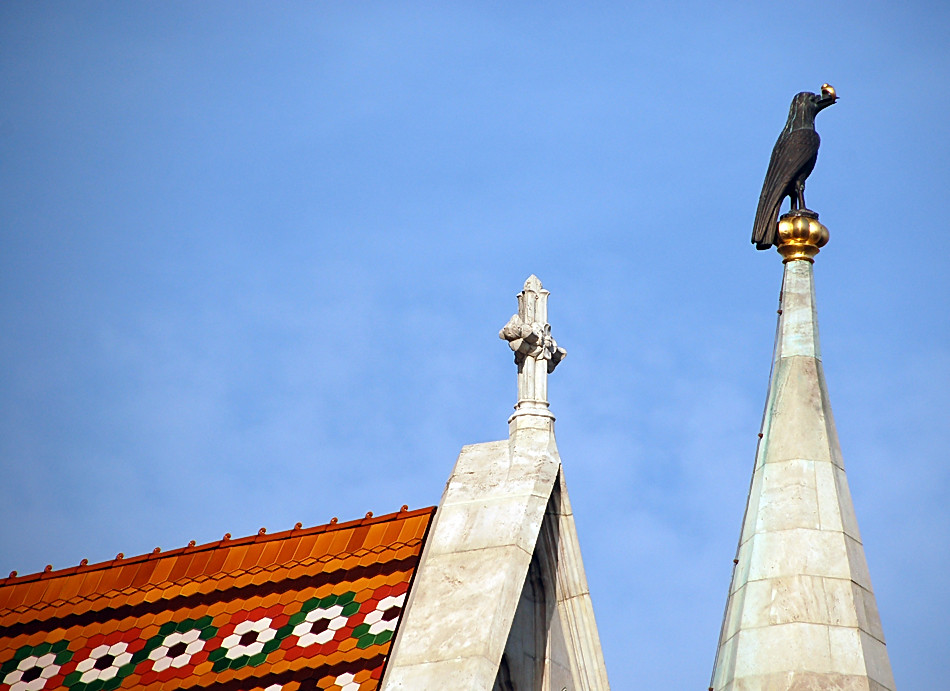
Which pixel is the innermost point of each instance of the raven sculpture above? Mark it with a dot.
(793, 159)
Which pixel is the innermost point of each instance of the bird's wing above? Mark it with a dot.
(793, 154)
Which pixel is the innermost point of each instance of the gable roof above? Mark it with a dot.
(301, 609)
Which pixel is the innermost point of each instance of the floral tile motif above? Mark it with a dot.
(297, 611)
(320, 619)
(104, 666)
(32, 666)
(177, 644)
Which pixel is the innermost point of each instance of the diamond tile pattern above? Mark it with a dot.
(306, 609)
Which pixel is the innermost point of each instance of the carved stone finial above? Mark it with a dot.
(537, 354)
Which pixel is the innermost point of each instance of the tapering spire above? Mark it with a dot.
(536, 352)
(800, 613)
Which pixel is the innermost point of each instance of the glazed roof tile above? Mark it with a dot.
(312, 608)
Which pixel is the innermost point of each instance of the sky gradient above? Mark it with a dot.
(255, 257)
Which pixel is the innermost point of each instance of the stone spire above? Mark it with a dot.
(800, 613)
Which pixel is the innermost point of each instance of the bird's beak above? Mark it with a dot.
(828, 96)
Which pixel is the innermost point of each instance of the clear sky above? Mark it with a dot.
(254, 258)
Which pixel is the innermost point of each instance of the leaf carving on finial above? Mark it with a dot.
(532, 340)
(526, 335)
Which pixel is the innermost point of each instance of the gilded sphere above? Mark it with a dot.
(800, 236)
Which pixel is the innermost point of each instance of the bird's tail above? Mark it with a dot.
(765, 227)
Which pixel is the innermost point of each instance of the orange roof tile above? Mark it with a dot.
(304, 609)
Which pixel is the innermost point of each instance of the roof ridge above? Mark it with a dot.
(205, 578)
(226, 541)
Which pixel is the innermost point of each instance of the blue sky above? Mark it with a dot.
(255, 257)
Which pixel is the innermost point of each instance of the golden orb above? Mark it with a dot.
(800, 236)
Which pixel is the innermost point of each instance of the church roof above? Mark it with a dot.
(311, 608)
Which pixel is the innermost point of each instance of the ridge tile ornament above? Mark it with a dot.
(537, 354)
(793, 159)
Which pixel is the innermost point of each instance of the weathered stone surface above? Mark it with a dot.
(472, 570)
(505, 508)
(798, 426)
(789, 497)
(797, 646)
(460, 673)
(809, 599)
(804, 681)
(798, 326)
(781, 553)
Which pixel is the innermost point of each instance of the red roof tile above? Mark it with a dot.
(311, 608)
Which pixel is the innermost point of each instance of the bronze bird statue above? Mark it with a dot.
(793, 159)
